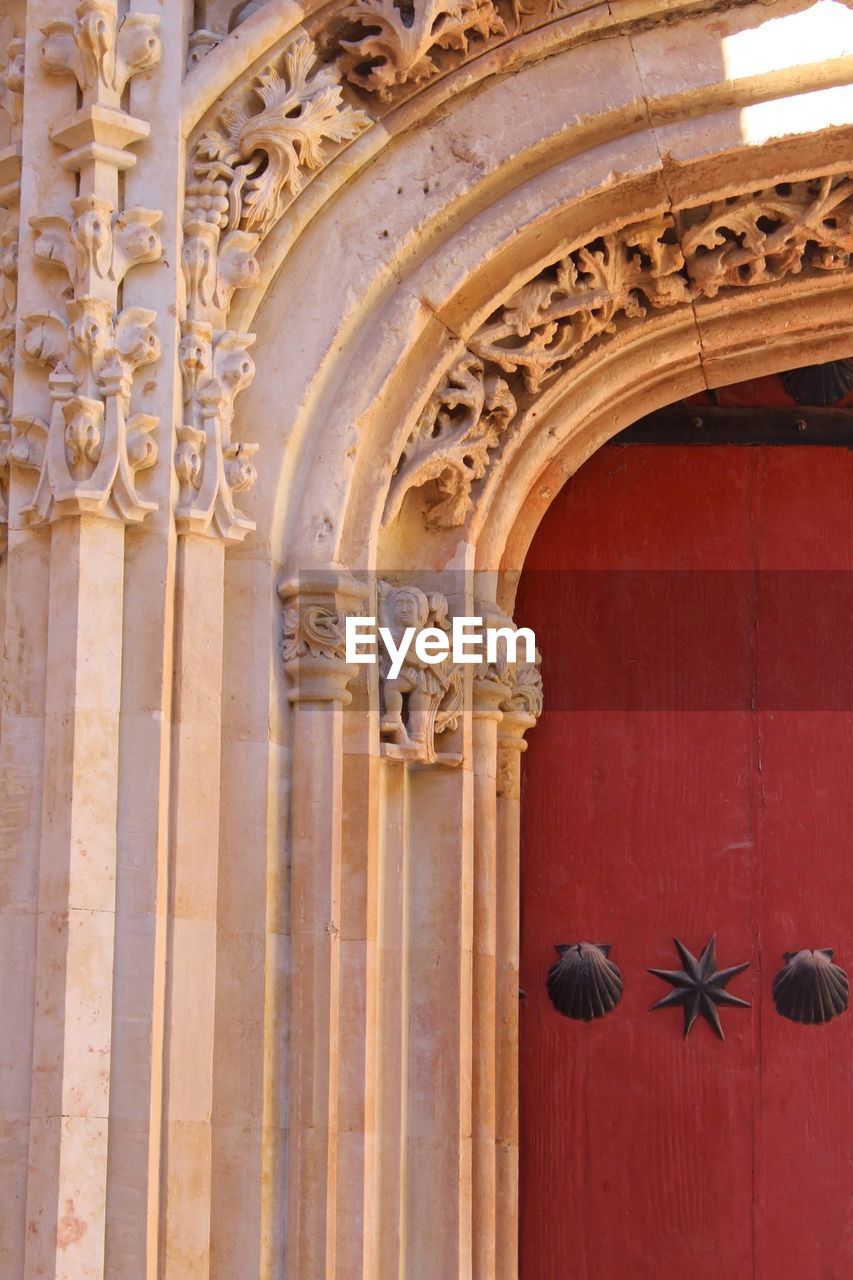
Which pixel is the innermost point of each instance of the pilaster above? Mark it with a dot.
(85, 455)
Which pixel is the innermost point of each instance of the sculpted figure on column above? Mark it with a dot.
(423, 699)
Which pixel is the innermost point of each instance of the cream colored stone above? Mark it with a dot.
(264, 975)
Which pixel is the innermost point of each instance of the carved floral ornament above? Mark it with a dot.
(245, 168)
(88, 455)
(576, 303)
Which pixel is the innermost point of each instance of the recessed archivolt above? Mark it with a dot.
(666, 262)
(459, 291)
(389, 65)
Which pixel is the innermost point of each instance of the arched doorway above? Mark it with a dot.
(690, 778)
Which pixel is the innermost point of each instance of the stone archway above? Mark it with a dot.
(285, 1092)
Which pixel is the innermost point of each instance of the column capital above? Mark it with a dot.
(317, 604)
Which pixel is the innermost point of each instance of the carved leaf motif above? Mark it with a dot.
(526, 685)
(397, 45)
(668, 261)
(315, 630)
(263, 155)
(450, 444)
(101, 58)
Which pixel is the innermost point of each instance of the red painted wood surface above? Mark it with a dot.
(692, 773)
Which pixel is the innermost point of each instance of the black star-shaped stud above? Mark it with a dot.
(699, 986)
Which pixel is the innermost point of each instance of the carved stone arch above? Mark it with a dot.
(277, 1041)
(351, 347)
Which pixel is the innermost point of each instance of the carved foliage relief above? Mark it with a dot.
(394, 44)
(245, 169)
(263, 145)
(88, 455)
(576, 303)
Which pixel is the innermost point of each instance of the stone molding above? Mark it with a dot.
(576, 303)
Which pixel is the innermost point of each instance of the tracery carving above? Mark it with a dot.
(462, 422)
(397, 44)
(423, 700)
(668, 261)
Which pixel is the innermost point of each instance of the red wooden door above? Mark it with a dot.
(692, 775)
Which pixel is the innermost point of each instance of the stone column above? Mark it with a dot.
(489, 692)
(211, 469)
(392, 1020)
(521, 708)
(23, 655)
(88, 453)
(316, 606)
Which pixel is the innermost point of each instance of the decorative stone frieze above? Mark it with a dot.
(463, 421)
(316, 607)
(423, 700)
(394, 46)
(671, 260)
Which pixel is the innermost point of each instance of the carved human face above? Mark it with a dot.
(409, 609)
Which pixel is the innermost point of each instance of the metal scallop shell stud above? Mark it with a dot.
(820, 384)
(810, 989)
(584, 983)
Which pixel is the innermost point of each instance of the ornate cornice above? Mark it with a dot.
(576, 303)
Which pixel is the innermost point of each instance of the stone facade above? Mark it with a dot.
(302, 305)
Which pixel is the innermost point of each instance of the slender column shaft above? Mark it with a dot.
(438, 1140)
(67, 1188)
(193, 903)
(486, 717)
(393, 1023)
(355, 1203)
(315, 895)
(508, 815)
(314, 651)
